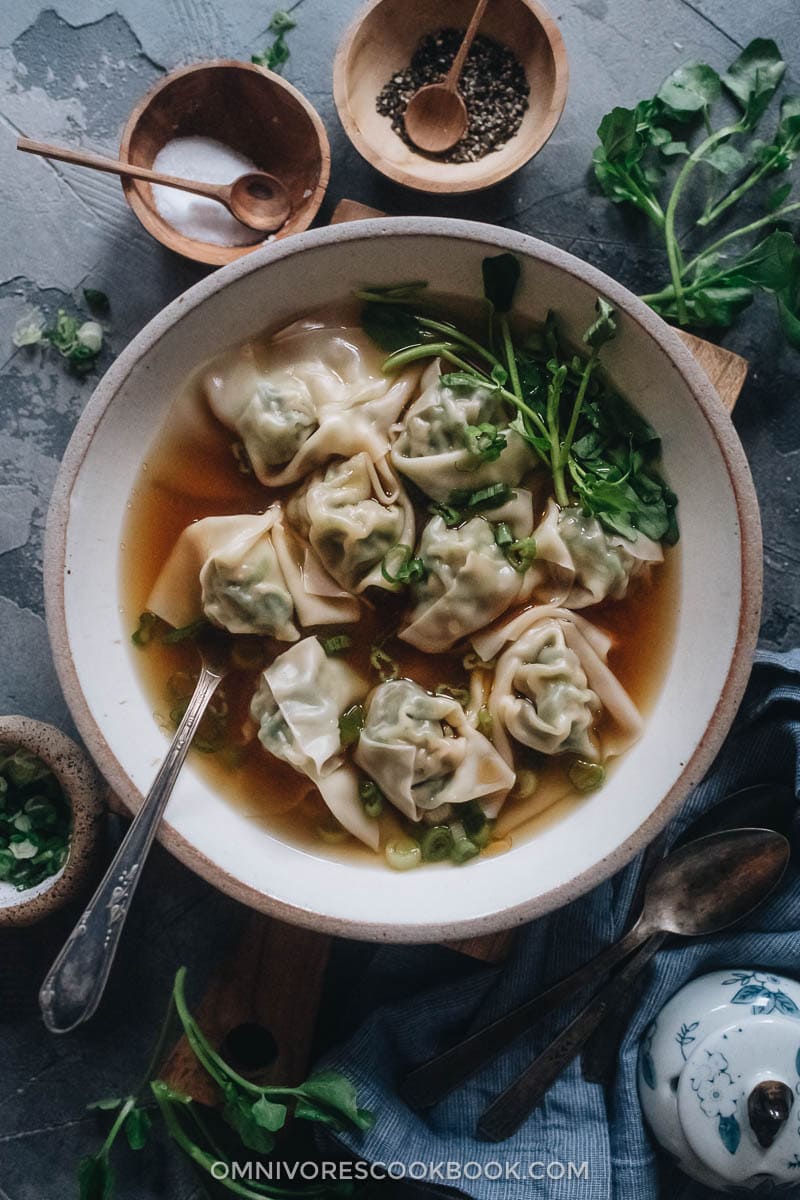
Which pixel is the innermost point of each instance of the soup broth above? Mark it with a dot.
(194, 470)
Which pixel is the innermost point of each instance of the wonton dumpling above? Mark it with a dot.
(422, 752)
(552, 682)
(578, 562)
(470, 581)
(352, 512)
(311, 395)
(247, 574)
(297, 706)
(431, 451)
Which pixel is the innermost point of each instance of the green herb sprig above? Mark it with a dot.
(598, 450)
(254, 1115)
(277, 53)
(641, 147)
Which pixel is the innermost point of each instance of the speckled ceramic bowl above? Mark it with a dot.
(718, 599)
(84, 789)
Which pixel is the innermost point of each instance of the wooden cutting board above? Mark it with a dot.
(273, 979)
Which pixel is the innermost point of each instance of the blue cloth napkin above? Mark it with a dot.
(412, 1002)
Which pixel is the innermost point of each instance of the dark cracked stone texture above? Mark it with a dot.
(70, 73)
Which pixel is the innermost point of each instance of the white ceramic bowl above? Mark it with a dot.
(719, 591)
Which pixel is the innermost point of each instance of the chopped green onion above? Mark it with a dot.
(526, 785)
(521, 554)
(586, 776)
(181, 685)
(477, 826)
(459, 694)
(383, 663)
(329, 830)
(436, 843)
(485, 441)
(336, 644)
(351, 722)
(451, 516)
(184, 633)
(463, 850)
(403, 853)
(503, 535)
(492, 496)
(408, 569)
(145, 629)
(371, 797)
(485, 721)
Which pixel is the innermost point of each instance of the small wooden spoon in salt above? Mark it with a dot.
(257, 199)
(436, 115)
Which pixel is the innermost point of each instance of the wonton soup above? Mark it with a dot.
(445, 555)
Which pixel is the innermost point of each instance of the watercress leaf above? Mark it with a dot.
(238, 1113)
(501, 274)
(620, 136)
(137, 1126)
(778, 197)
(720, 303)
(753, 78)
(499, 375)
(390, 326)
(660, 136)
(95, 1178)
(331, 1098)
(281, 22)
(604, 326)
(654, 174)
(462, 379)
(725, 158)
(689, 89)
(674, 149)
(770, 264)
(789, 315)
(269, 1115)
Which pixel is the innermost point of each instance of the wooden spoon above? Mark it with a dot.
(257, 199)
(436, 116)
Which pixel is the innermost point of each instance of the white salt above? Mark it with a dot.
(207, 161)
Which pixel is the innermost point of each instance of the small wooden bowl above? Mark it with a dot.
(247, 108)
(381, 42)
(85, 792)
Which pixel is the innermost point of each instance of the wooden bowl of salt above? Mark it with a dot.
(214, 121)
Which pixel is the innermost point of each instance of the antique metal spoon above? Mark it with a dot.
(436, 115)
(704, 886)
(74, 985)
(723, 878)
(257, 199)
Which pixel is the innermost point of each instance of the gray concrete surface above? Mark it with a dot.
(69, 72)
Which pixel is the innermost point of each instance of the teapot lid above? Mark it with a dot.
(739, 1100)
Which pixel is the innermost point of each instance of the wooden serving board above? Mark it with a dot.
(274, 977)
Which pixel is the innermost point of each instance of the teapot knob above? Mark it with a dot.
(768, 1108)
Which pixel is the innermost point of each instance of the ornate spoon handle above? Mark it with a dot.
(76, 981)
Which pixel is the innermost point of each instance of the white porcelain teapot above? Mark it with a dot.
(719, 1079)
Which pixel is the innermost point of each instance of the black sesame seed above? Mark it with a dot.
(493, 85)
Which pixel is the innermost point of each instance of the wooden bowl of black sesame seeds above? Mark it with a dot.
(514, 84)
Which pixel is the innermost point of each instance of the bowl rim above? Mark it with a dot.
(751, 569)
(491, 175)
(209, 253)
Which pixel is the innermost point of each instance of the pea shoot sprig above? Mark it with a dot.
(597, 449)
(650, 158)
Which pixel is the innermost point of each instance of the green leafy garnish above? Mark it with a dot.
(255, 1115)
(336, 644)
(371, 797)
(276, 54)
(400, 566)
(185, 633)
(143, 633)
(713, 283)
(35, 820)
(76, 340)
(599, 452)
(382, 662)
(351, 722)
(520, 552)
(97, 301)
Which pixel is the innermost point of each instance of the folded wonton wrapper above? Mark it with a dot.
(423, 753)
(297, 706)
(248, 574)
(515, 688)
(311, 395)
